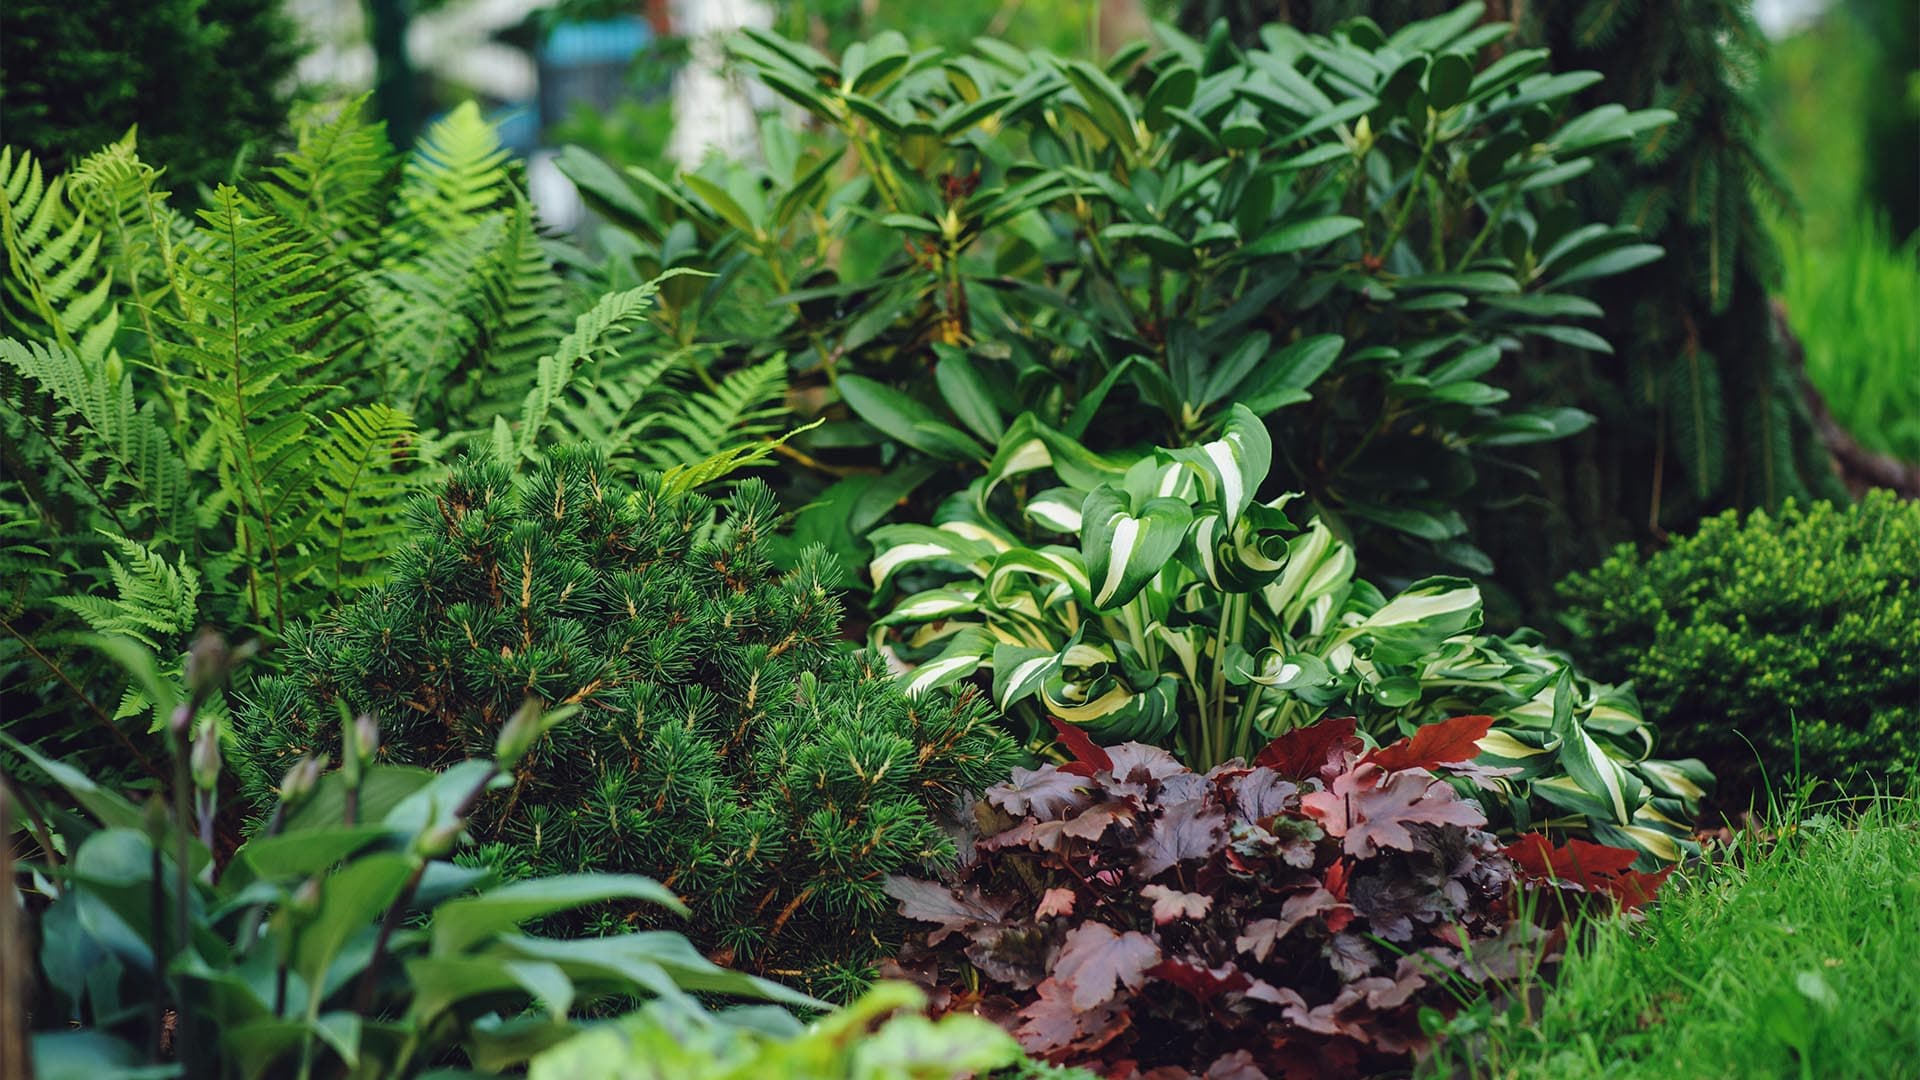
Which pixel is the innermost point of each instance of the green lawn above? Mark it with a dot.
(1797, 958)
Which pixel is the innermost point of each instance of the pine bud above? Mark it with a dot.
(206, 759)
(300, 780)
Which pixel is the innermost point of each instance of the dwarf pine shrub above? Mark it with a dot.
(723, 742)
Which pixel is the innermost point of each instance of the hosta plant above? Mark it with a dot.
(1293, 916)
(1347, 235)
(1773, 642)
(347, 938)
(1163, 601)
(724, 741)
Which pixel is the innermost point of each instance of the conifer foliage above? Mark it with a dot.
(722, 743)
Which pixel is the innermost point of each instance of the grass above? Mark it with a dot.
(1796, 957)
(1854, 302)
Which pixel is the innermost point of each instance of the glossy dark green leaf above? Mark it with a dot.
(1301, 235)
(965, 390)
(907, 420)
(1448, 80)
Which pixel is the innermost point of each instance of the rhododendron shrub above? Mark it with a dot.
(1290, 917)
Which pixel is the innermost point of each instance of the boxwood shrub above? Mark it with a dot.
(1798, 631)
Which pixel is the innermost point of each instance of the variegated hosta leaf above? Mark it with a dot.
(1051, 575)
(1030, 445)
(1313, 584)
(1019, 672)
(1231, 467)
(901, 546)
(932, 605)
(1419, 619)
(1056, 510)
(1112, 711)
(962, 657)
(1125, 549)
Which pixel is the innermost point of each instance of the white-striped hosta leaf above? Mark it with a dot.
(1018, 673)
(1233, 466)
(933, 604)
(962, 657)
(1125, 550)
(1056, 509)
(900, 546)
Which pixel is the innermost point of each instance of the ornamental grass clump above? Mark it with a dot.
(1292, 917)
(1791, 639)
(723, 741)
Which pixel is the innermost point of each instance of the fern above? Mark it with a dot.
(527, 308)
(359, 499)
(613, 413)
(117, 451)
(157, 602)
(248, 364)
(54, 285)
(692, 476)
(457, 174)
(743, 407)
(592, 336)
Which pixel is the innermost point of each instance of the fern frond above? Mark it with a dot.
(593, 334)
(457, 173)
(744, 407)
(54, 286)
(354, 514)
(117, 449)
(333, 184)
(429, 314)
(254, 291)
(155, 603)
(612, 412)
(681, 479)
(527, 313)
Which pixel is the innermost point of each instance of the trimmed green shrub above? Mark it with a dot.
(1801, 627)
(723, 743)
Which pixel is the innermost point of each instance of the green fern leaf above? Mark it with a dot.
(744, 407)
(156, 602)
(685, 478)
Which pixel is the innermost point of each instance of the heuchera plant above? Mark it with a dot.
(1290, 917)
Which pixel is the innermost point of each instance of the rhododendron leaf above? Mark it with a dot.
(1094, 963)
(1301, 753)
(1444, 743)
(1085, 752)
(1172, 905)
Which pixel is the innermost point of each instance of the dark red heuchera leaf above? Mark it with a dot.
(1445, 743)
(1285, 918)
(1302, 753)
(1586, 867)
(1094, 963)
(1088, 758)
(1374, 809)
